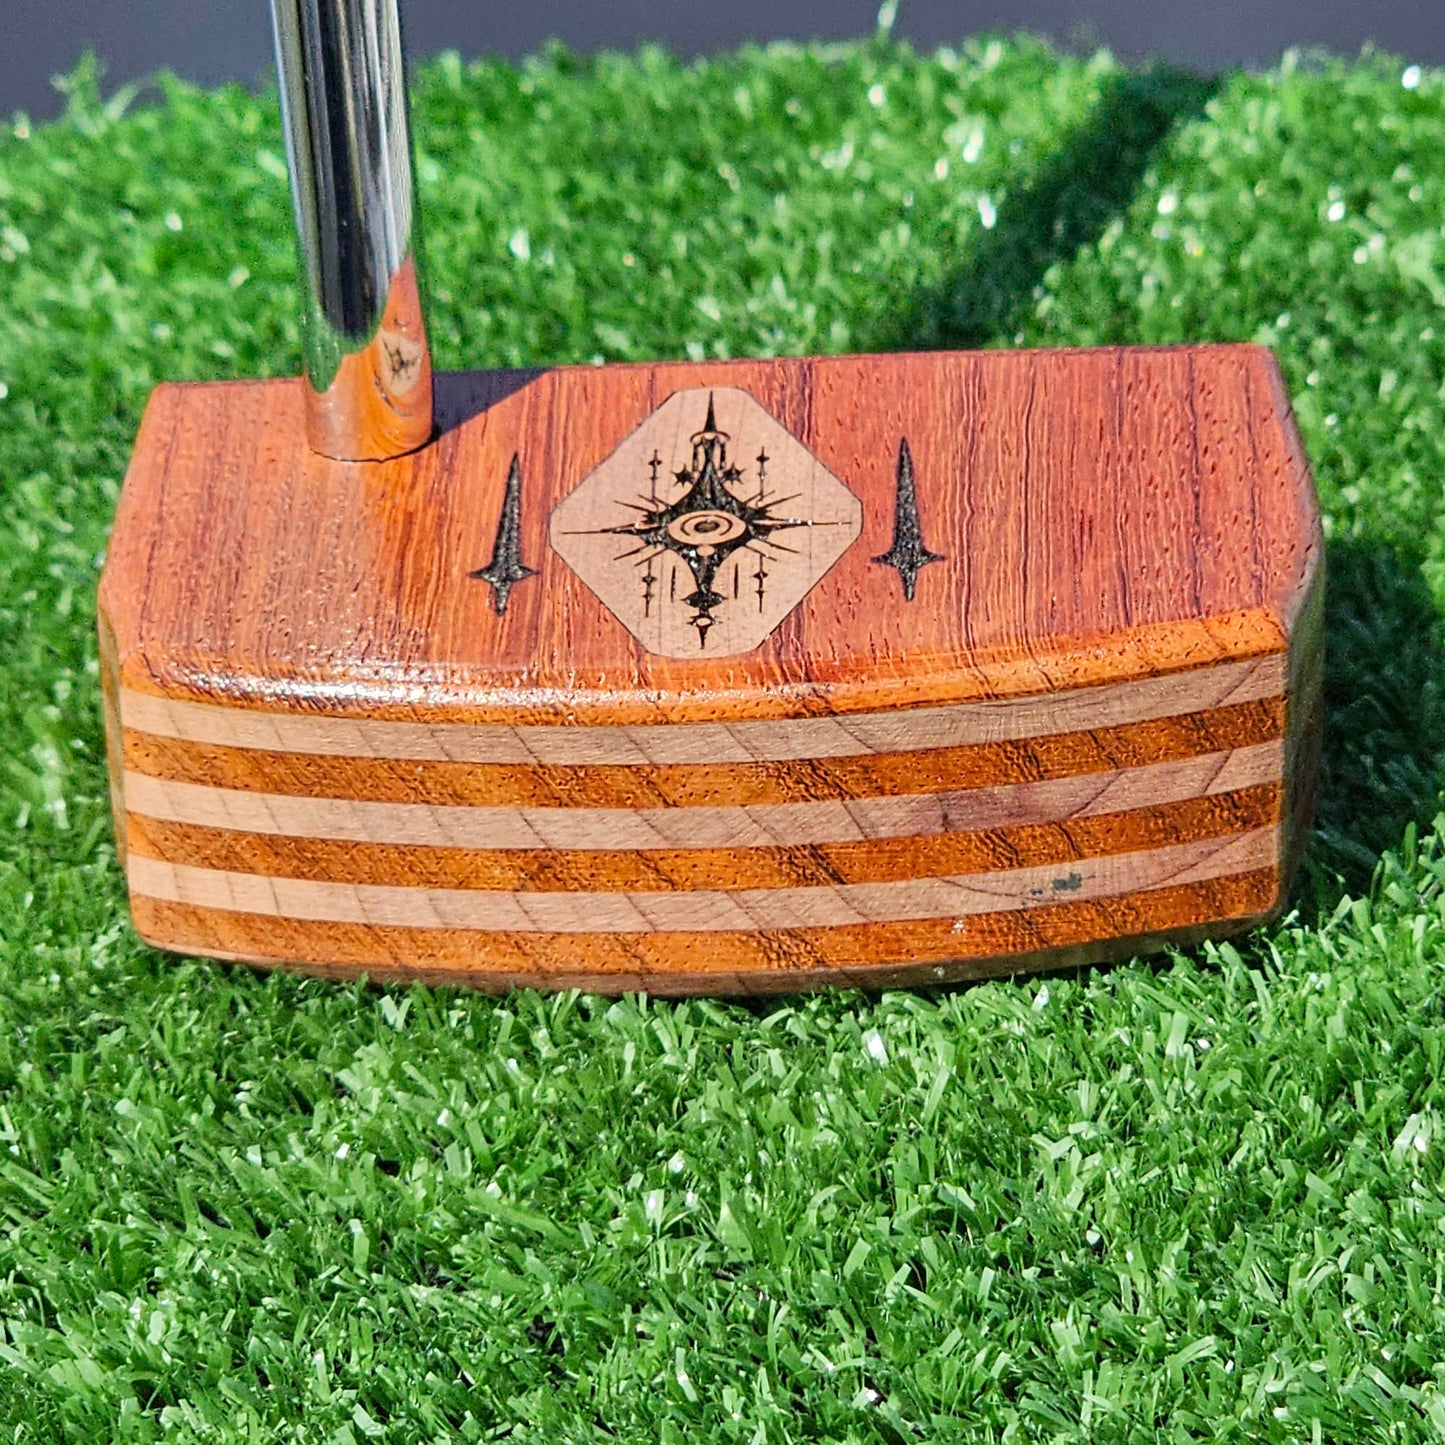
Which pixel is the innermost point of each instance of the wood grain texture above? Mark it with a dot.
(903, 730)
(1094, 725)
(282, 581)
(906, 815)
(1050, 936)
(647, 785)
(1029, 845)
(688, 911)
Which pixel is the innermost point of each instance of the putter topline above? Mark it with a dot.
(694, 677)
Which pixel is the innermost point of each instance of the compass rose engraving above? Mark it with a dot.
(708, 523)
(693, 552)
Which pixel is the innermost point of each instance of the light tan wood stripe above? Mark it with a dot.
(550, 869)
(909, 815)
(709, 785)
(1053, 934)
(704, 910)
(900, 730)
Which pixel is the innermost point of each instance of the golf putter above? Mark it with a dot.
(724, 677)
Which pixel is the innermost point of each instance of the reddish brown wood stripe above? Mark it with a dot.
(740, 741)
(653, 870)
(446, 784)
(704, 910)
(785, 824)
(1056, 934)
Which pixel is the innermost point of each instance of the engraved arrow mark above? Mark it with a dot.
(506, 568)
(907, 554)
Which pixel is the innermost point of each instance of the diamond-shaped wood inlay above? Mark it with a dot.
(706, 526)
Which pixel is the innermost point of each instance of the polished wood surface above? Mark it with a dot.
(1051, 687)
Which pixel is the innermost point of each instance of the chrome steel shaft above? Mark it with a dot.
(344, 108)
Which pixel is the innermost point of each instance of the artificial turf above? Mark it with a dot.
(1194, 1198)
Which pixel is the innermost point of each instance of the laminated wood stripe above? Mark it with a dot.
(614, 829)
(553, 870)
(733, 827)
(741, 741)
(704, 911)
(1052, 934)
(451, 784)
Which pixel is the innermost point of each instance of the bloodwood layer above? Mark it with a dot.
(1092, 728)
(941, 950)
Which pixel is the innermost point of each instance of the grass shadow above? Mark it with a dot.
(1064, 206)
(1384, 748)
(1383, 764)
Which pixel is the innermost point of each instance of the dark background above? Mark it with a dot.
(213, 40)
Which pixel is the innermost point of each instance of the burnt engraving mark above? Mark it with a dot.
(506, 568)
(700, 539)
(708, 523)
(908, 553)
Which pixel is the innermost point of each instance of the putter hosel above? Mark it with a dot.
(344, 108)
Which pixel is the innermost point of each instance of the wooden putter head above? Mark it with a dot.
(694, 677)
